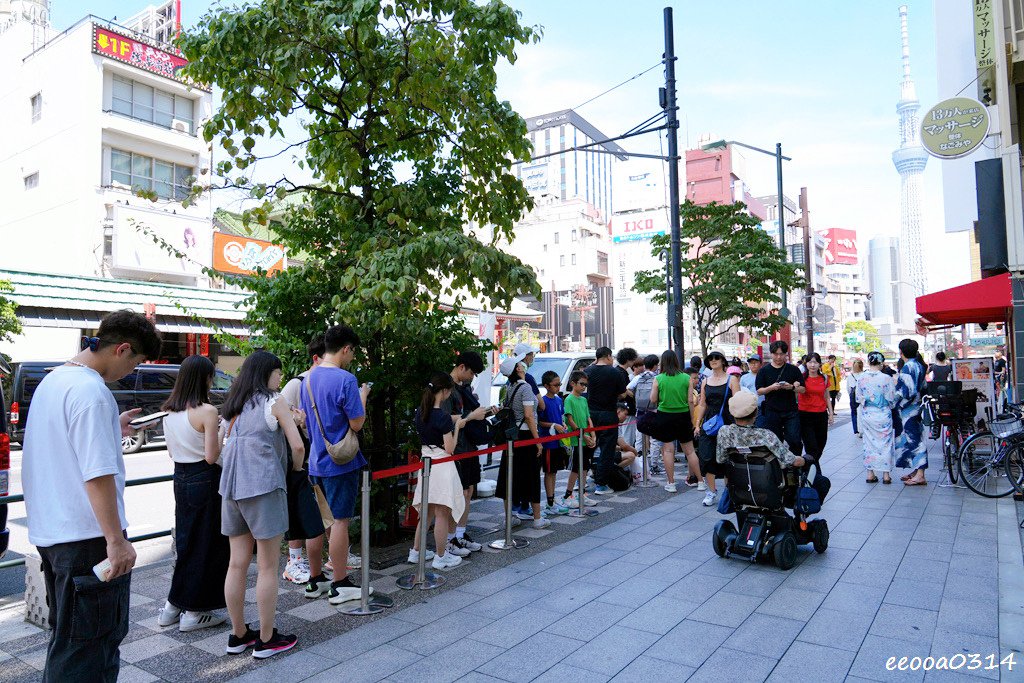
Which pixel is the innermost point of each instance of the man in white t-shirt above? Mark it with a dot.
(73, 480)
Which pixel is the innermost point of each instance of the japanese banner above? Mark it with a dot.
(954, 128)
(140, 55)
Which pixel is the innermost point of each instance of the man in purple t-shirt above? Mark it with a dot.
(341, 404)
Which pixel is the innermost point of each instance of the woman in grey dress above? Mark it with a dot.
(260, 432)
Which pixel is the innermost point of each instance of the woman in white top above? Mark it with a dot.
(192, 429)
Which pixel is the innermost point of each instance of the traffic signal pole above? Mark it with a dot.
(674, 297)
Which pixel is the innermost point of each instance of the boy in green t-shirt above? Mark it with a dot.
(577, 415)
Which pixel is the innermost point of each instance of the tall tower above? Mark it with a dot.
(910, 160)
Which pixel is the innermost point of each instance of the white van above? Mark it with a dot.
(564, 363)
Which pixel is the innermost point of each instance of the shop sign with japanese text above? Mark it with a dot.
(138, 54)
(954, 128)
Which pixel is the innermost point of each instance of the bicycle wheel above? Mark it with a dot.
(984, 464)
(950, 451)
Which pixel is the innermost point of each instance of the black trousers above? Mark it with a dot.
(88, 617)
(606, 441)
(197, 584)
(814, 432)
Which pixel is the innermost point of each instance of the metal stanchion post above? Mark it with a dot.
(646, 445)
(508, 543)
(581, 484)
(364, 607)
(422, 578)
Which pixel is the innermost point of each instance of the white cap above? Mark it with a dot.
(522, 350)
(509, 364)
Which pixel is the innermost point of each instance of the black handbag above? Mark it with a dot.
(647, 423)
(304, 520)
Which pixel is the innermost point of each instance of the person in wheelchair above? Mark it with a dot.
(761, 491)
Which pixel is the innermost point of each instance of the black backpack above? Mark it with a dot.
(503, 425)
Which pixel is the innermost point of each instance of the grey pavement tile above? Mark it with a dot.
(448, 663)
(530, 532)
(589, 621)
(583, 543)
(961, 587)
(843, 630)
(699, 548)
(734, 665)
(792, 603)
(922, 569)
(477, 677)
(968, 617)
(313, 610)
(930, 550)
(974, 546)
(865, 573)
(515, 627)
(934, 533)
(543, 561)
(690, 643)
(840, 558)
(906, 525)
(570, 598)
(437, 606)
(634, 592)
(882, 552)
(764, 634)
(126, 674)
(847, 540)
(679, 537)
(372, 665)
(560, 673)
(659, 615)
(970, 565)
(295, 666)
(913, 593)
(530, 658)
(560, 575)
(669, 569)
(812, 578)
(645, 669)
(630, 542)
(949, 643)
(611, 651)
(614, 530)
(855, 598)
(756, 583)
(357, 641)
(145, 648)
(565, 520)
(826, 664)
(503, 602)
(904, 623)
(649, 554)
(614, 573)
(726, 609)
(874, 653)
(432, 637)
(597, 557)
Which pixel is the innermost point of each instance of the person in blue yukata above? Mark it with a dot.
(912, 451)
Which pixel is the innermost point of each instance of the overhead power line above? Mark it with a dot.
(631, 78)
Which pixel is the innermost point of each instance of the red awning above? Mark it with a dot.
(984, 301)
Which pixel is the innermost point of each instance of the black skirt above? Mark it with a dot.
(197, 584)
(525, 474)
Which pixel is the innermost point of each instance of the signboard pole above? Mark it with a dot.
(675, 298)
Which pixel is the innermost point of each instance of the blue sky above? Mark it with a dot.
(820, 77)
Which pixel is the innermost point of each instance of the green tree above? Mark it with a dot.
(872, 342)
(391, 108)
(10, 326)
(732, 272)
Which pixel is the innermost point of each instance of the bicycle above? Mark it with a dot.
(951, 418)
(991, 462)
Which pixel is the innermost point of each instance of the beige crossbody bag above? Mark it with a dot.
(343, 451)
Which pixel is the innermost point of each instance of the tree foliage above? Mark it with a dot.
(400, 130)
(872, 340)
(10, 326)
(732, 272)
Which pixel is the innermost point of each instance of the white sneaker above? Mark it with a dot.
(414, 556)
(571, 502)
(168, 615)
(709, 498)
(453, 549)
(193, 621)
(588, 501)
(355, 562)
(670, 487)
(515, 521)
(296, 571)
(541, 523)
(446, 561)
(702, 485)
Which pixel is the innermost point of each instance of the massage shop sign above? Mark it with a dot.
(954, 128)
(138, 54)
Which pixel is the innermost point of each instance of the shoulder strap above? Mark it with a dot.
(725, 398)
(309, 390)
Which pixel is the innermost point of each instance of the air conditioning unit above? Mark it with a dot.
(179, 125)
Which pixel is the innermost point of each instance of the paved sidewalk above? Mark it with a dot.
(909, 572)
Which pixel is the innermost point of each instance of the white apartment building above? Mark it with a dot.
(93, 115)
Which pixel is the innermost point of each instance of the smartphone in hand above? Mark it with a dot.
(144, 421)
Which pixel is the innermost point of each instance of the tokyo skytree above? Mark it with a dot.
(910, 160)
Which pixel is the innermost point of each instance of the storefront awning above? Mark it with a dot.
(983, 301)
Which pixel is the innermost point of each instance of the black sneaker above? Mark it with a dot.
(344, 591)
(278, 643)
(317, 586)
(237, 646)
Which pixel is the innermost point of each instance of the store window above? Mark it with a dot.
(32, 181)
(146, 103)
(167, 180)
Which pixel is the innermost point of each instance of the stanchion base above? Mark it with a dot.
(381, 601)
(516, 544)
(647, 484)
(581, 513)
(358, 610)
(430, 581)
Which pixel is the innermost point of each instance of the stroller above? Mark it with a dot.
(760, 491)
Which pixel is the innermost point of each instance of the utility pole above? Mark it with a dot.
(675, 296)
(782, 227)
(805, 223)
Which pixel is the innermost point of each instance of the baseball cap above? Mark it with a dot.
(509, 364)
(743, 404)
(754, 357)
(523, 350)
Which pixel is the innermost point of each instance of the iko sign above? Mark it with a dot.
(840, 246)
(140, 55)
(243, 255)
(954, 128)
(642, 225)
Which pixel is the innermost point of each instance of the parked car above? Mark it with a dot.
(564, 363)
(147, 388)
(5, 462)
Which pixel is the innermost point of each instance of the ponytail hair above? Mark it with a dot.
(439, 381)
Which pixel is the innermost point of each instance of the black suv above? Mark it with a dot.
(147, 388)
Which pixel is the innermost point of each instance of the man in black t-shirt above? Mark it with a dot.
(607, 385)
(779, 382)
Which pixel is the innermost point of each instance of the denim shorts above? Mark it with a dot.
(341, 492)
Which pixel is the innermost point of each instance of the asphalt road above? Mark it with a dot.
(149, 508)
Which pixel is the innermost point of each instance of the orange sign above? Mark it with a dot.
(243, 255)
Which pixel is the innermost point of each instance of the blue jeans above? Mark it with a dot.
(853, 411)
(88, 617)
(785, 425)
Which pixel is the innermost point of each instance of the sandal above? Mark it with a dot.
(919, 482)
(872, 480)
(886, 479)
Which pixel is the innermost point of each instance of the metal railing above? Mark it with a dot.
(20, 498)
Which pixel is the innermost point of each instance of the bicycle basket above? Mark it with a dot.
(1006, 426)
